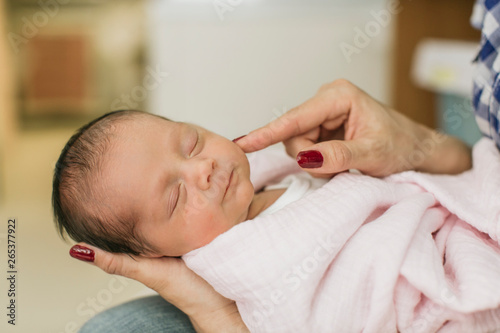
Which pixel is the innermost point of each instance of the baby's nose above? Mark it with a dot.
(200, 172)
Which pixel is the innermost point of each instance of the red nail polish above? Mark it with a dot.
(82, 253)
(240, 137)
(310, 159)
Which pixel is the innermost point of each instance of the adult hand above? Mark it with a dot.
(175, 282)
(344, 128)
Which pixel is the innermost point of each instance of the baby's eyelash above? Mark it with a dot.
(175, 198)
(196, 143)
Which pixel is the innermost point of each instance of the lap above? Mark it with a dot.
(144, 315)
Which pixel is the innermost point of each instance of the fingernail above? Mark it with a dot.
(82, 253)
(240, 137)
(310, 159)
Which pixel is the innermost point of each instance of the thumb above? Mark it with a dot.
(330, 157)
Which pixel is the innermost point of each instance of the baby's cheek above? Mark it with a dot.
(203, 228)
(198, 205)
(204, 220)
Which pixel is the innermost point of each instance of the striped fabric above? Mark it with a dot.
(486, 93)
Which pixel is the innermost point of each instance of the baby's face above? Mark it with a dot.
(185, 185)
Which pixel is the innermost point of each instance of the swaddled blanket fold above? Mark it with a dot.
(412, 253)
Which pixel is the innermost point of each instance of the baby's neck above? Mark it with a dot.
(262, 200)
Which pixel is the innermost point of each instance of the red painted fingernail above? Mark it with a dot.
(82, 253)
(310, 159)
(240, 137)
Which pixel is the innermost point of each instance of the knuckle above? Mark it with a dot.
(346, 86)
(114, 264)
(340, 156)
(326, 86)
(109, 264)
(336, 83)
(295, 126)
(280, 123)
(342, 82)
(266, 135)
(376, 147)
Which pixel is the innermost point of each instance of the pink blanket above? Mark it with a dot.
(411, 253)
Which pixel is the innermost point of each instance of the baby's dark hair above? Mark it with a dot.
(78, 208)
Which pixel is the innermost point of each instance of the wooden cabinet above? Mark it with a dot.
(417, 20)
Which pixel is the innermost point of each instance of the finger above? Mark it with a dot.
(319, 134)
(301, 142)
(314, 112)
(111, 263)
(332, 157)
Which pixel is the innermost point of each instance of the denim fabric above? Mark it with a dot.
(144, 315)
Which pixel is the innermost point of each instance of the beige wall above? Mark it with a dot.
(7, 126)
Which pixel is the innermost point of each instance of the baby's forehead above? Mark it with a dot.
(137, 125)
(135, 134)
(144, 118)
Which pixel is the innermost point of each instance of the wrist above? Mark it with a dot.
(438, 153)
(428, 150)
(226, 319)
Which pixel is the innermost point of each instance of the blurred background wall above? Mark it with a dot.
(230, 66)
(237, 70)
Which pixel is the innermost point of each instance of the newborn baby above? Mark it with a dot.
(404, 253)
(138, 183)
